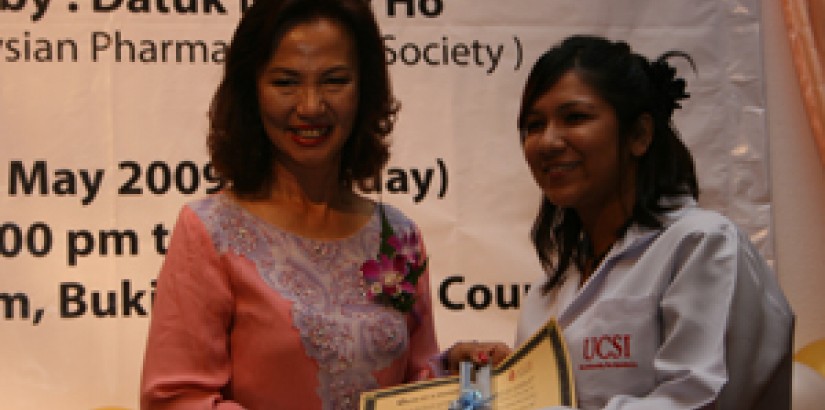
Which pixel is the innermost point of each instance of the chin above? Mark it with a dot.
(562, 199)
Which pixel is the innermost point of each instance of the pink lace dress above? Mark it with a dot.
(248, 316)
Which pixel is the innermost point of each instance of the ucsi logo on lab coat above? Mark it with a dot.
(606, 351)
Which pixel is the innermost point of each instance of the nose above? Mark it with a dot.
(551, 138)
(310, 102)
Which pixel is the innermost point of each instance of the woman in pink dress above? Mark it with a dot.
(288, 290)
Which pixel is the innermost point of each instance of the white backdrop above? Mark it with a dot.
(103, 125)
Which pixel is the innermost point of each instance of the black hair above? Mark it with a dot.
(239, 148)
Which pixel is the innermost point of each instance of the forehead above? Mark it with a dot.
(317, 40)
(570, 89)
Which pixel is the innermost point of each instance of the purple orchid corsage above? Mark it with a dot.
(392, 276)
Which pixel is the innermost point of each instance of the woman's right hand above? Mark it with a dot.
(480, 353)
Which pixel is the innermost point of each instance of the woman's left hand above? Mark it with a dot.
(480, 353)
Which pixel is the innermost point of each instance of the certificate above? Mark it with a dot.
(536, 375)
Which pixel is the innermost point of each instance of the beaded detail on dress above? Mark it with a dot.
(349, 336)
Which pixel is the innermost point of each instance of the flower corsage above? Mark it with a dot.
(392, 276)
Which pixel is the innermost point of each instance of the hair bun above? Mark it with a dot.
(668, 89)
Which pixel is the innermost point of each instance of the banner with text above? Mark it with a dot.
(103, 111)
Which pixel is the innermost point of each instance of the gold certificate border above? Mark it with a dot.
(549, 331)
(567, 390)
(371, 398)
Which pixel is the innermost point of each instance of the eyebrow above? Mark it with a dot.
(563, 106)
(575, 103)
(290, 71)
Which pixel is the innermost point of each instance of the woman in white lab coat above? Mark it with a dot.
(663, 305)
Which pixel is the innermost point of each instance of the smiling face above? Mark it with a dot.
(308, 95)
(571, 143)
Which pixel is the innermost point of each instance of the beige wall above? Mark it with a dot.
(798, 181)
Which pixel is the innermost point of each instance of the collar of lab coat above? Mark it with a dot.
(636, 237)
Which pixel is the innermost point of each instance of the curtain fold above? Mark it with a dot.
(805, 22)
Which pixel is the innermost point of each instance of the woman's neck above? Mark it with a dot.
(604, 228)
(603, 232)
(316, 205)
(600, 233)
(311, 187)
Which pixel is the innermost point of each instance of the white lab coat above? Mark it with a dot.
(679, 318)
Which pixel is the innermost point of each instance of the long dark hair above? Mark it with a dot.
(238, 145)
(633, 86)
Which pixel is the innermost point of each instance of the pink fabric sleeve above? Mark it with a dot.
(423, 344)
(186, 363)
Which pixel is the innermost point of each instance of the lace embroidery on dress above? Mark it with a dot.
(347, 335)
